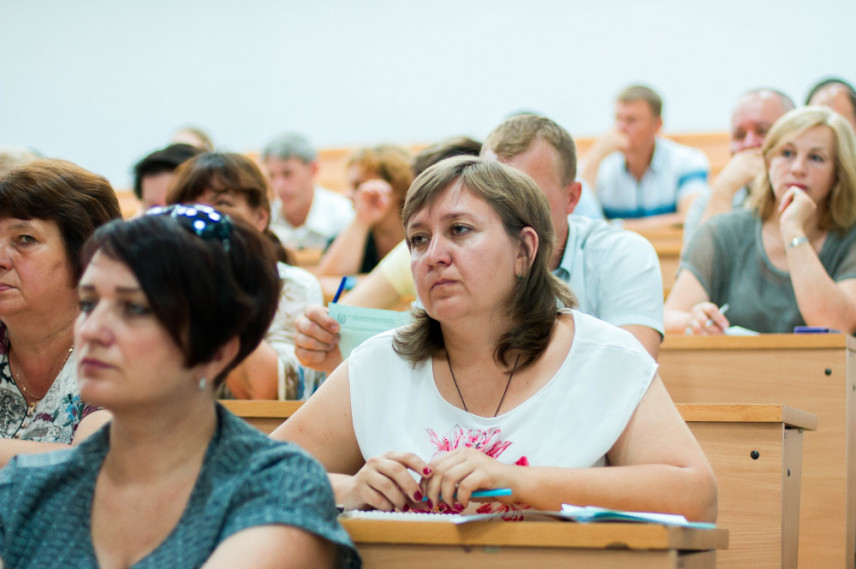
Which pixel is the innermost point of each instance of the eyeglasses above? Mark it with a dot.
(201, 220)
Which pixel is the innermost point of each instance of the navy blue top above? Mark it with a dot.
(246, 480)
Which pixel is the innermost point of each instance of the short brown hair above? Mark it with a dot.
(642, 93)
(203, 291)
(515, 135)
(520, 203)
(840, 212)
(77, 200)
(388, 162)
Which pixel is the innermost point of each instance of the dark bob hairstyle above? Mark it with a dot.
(77, 200)
(204, 290)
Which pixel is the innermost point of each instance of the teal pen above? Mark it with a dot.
(486, 493)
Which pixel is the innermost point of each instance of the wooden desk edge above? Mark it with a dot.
(760, 342)
(536, 534)
(254, 408)
(766, 413)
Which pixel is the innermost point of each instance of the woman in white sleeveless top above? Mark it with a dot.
(493, 386)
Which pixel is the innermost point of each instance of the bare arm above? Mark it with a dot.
(822, 301)
(371, 202)
(273, 547)
(648, 337)
(610, 142)
(324, 428)
(256, 377)
(656, 465)
(739, 171)
(88, 425)
(689, 310)
(373, 291)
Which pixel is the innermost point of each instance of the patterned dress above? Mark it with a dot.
(54, 418)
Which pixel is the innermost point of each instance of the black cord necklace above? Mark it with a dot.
(511, 375)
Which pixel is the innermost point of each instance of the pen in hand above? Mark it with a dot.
(722, 310)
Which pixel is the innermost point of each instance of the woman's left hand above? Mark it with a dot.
(459, 473)
(796, 209)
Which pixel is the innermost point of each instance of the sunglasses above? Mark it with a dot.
(201, 220)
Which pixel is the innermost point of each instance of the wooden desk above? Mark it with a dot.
(541, 545)
(768, 486)
(263, 415)
(756, 454)
(816, 373)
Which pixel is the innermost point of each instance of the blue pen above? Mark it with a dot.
(340, 289)
(486, 493)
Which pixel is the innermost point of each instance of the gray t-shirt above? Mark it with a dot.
(246, 480)
(727, 256)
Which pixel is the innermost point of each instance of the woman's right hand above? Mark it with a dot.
(316, 341)
(385, 483)
(372, 201)
(706, 320)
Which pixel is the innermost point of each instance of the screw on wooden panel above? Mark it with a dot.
(755, 454)
(789, 473)
(827, 371)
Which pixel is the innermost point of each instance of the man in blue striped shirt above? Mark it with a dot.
(639, 177)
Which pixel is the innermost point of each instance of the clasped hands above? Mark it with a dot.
(386, 482)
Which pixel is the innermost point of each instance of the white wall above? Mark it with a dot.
(103, 82)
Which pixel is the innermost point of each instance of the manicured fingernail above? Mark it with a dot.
(458, 507)
(417, 496)
(430, 504)
(406, 508)
(427, 471)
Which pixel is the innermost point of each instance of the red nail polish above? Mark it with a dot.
(458, 507)
(427, 471)
(430, 504)
(406, 508)
(417, 496)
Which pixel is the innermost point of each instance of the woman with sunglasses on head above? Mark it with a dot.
(48, 208)
(233, 184)
(174, 480)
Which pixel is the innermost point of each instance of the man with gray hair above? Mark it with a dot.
(753, 116)
(614, 273)
(304, 215)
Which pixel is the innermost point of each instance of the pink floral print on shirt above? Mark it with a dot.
(489, 442)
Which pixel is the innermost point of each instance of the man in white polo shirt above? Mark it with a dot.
(639, 177)
(303, 216)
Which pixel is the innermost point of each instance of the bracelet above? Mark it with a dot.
(796, 242)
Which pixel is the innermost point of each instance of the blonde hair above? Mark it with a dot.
(840, 207)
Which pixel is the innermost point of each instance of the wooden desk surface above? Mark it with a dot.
(536, 534)
(816, 373)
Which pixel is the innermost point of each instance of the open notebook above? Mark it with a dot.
(585, 514)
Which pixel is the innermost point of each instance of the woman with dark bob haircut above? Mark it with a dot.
(494, 386)
(48, 208)
(170, 302)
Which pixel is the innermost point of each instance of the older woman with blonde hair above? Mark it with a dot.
(493, 386)
(789, 259)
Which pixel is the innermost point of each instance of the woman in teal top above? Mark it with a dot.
(170, 302)
(790, 259)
